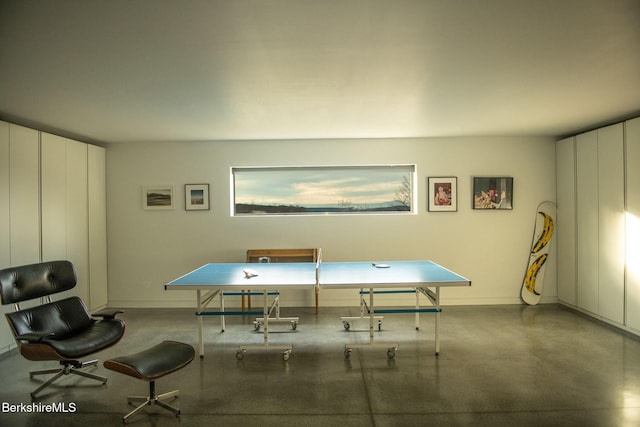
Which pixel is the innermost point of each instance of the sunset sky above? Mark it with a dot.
(321, 186)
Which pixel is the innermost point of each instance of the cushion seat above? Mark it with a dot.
(155, 362)
(98, 336)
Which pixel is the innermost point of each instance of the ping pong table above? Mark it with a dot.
(422, 277)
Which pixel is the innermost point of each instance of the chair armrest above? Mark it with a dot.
(108, 313)
(34, 337)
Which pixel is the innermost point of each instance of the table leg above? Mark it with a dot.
(391, 347)
(265, 345)
(200, 324)
(266, 318)
(417, 308)
(437, 321)
(371, 314)
(222, 321)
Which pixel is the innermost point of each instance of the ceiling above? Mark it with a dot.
(168, 70)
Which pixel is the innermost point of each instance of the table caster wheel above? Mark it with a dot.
(379, 325)
(347, 353)
(391, 353)
(294, 325)
(239, 354)
(256, 326)
(285, 355)
(346, 325)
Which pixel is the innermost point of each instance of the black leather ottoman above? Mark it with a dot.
(149, 365)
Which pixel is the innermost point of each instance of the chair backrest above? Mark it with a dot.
(283, 255)
(31, 281)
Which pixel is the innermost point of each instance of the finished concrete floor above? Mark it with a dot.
(498, 366)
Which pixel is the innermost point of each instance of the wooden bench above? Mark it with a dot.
(282, 255)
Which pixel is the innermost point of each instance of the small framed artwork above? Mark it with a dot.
(443, 194)
(157, 197)
(196, 197)
(492, 193)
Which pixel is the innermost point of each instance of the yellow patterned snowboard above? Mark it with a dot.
(540, 245)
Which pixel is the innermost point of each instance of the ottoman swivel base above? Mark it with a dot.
(149, 365)
(152, 399)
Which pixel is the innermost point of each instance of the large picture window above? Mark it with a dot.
(322, 190)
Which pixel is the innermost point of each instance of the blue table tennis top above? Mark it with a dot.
(330, 274)
(302, 274)
(393, 273)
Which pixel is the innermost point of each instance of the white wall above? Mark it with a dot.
(146, 249)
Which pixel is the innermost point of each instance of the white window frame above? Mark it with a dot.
(359, 172)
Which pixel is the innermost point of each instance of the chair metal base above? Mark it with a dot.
(152, 399)
(68, 367)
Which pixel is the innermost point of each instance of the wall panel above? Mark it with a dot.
(5, 247)
(24, 194)
(77, 214)
(632, 147)
(54, 197)
(6, 338)
(566, 219)
(587, 221)
(611, 218)
(97, 227)
(45, 185)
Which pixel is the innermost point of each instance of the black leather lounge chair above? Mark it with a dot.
(61, 330)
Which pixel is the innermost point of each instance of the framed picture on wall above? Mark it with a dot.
(196, 197)
(157, 197)
(492, 193)
(442, 194)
